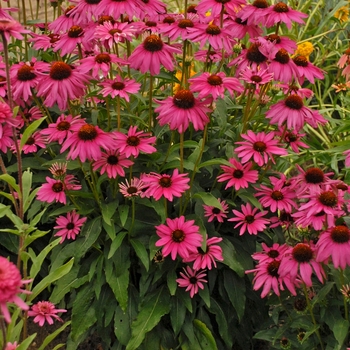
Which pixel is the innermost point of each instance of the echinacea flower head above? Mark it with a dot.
(6, 115)
(300, 262)
(307, 70)
(214, 213)
(119, 87)
(250, 219)
(261, 147)
(238, 175)
(282, 67)
(192, 280)
(269, 254)
(28, 115)
(44, 311)
(151, 54)
(178, 237)
(166, 185)
(86, 142)
(63, 83)
(181, 109)
(117, 8)
(292, 139)
(112, 162)
(11, 28)
(335, 243)
(257, 77)
(58, 170)
(254, 13)
(133, 189)
(10, 286)
(69, 226)
(231, 6)
(34, 141)
(134, 142)
(205, 259)
(6, 138)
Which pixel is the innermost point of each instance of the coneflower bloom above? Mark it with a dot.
(63, 83)
(62, 23)
(192, 280)
(293, 112)
(133, 189)
(268, 277)
(44, 311)
(178, 237)
(58, 170)
(180, 110)
(249, 219)
(283, 67)
(84, 11)
(303, 220)
(238, 175)
(344, 59)
(134, 142)
(86, 142)
(151, 54)
(279, 197)
(292, 139)
(6, 138)
(68, 41)
(169, 186)
(240, 28)
(119, 86)
(269, 254)
(293, 89)
(117, 8)
(209, 55)
(100, 64)
(179, 28)
(63, 127)
(69, 226)
(215, 213)
(6, 115)
(261, 147)
(335, 243)
(275, 42)
(281, 13)
(214, 85)
(54, 190)
(257, 77)
(24, 77)
(307, 70)
(10, 285)
(300, 262)
(112, 163)
(231, 6)
(254, 13)
(152, 8)
(28, 115)
(11, 28)
(205, 259)
(44, 41)
(34, 141)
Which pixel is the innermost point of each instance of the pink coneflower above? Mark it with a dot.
(269, 254)
(282, 67)
(307, 70)
(166, 185)
(205, 259)
(281, 13)
(134, 142)
(231, 6)
(284, 219)
(267, 276)
(304, 220)
(300, 261)
(11, 28)
(99, 64)
(134, 189)
(119, 87)
(10, 286)
(117, 8)
(113, 33)
(69, 226)
(179, 28)
(335, 243)
(68, 41)
(292, 138)
(214, 85)
(28, 115)
(84, 11)
(279, 197)
(292, 111)
(152, 53)
(24, 77)
(58, 170)
(44, 311)
(63, 83)
(86, 142)
(240, 28)
(275, 42)
(6, 115)
(215, 213)
(62, 23)
(344, 59)
(152, 8)
(250, 220)
(254, 13)
(180, 110)
(192, 280)
(218, 38)
(209, 55)
(238, 175)
(54, 190)
(257, 77)
(113, 163)
(178, 237)
(34, 141)
(63, 127)
(292, 89)
(261, 147)
(44, 41)
(6, 138)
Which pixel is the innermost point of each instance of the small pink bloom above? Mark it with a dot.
(11, 346)
(178, 237)
(257, 77)
(192, 280)
(33, 142)
(133, 189)
(307, 70)
(44, 311)
(231, 6)
(212, 212)
(69, 226)
(11, 28)
(119, 87)
(269, 254)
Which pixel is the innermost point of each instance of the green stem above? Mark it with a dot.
(3, 331)
(118, 113)
(181, 152)
(150, 119)
(132, 216)
(346, 310)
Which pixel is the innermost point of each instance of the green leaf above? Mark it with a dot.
(53, 335)
(116, 243)
(52, 277)
(119, 286)
(230, 258)
(108, 210)
(122, 325)
(123, 214)
(29, 200)
(26, 342)
(215, 161)
(340, 331)
(171, 280)
(235, 288)
(322, 293)
(11, 181)
(151, 313)
(210, 342)
(33, 236)
(90, 233)
(204, 294)
(208, 199)
(177, 314)
(141, 252)
(29, 131)
(27, 184)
